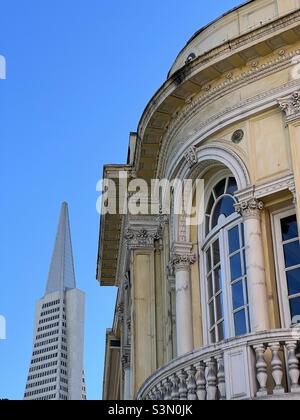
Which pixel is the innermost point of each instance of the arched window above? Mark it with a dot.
(226, 278)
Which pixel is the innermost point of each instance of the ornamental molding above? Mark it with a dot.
(217, 54)
(250, 208)
(191, 156)
(183, 262)
(217, 152)
(128, 324)
(126, 360)
(182, 257)
(226, 87)
(267, 189)
(143, 237)
(291, 106)
(120, 312)
(293, 190)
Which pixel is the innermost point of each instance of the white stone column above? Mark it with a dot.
(127, 377)
(182, 261)
(256, 276)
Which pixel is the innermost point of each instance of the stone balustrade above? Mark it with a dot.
(256, 366)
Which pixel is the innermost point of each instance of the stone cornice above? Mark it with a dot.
(267, 189)
(216, 55)
(252, 36)
(226, 87)
(249, 209)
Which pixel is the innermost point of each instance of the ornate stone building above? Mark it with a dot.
(208, 311)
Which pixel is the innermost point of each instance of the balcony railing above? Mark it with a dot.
(261, 365)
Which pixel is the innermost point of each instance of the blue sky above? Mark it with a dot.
(79, 74)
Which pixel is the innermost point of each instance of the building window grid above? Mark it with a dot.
(219, 279)
(45, 350)
(43, 366)
(241, 253)
(291, 268)
(43, 382)
(42, 374)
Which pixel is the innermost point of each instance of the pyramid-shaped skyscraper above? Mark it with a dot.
(56, 367)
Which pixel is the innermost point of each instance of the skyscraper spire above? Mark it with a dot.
(61, 274)
(56, 366)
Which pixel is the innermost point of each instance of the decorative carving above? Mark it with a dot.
(170, 272)
(186, 114)
(237, 136)
(126, 361)
(182, 262)
(128, 323)
(292, 189)
(191, 156)
(291, 105)
(286, 183)
(120, 311)
(143, 238)
(126, 281)
(250, 208)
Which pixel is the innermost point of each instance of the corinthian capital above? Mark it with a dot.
(291, 105)
(250, 208)
(142, 238)
(183, 262)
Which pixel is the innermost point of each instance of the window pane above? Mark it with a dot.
(238, 295)
(243, 234)
(234, 239)
(289, 228)
(240, 323)
(210, 287)
(292, 254)
(207, 220)
(218, 280)
(220, 188)
(213, 336)
(293, 279)
(236, 267)
(295, 309)
(216, 253)
(208, 260)
(219, 304)
(232, 186)
(212, 314)
(245, 263)
(224, 207)
(221, 331)
(210, 204)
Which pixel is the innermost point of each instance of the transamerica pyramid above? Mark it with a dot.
(56, 367)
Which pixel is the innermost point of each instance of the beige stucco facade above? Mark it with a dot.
(229, 110)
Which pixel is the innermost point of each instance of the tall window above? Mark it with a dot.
(288, 266)
(226, 277)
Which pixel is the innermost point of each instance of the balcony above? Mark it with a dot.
(256, 366)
